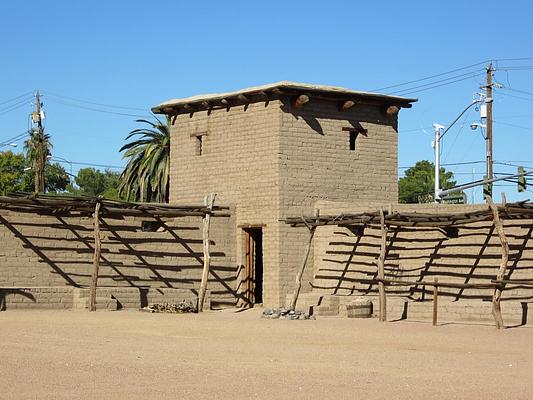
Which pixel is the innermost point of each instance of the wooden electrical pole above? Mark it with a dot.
(39, 160)
(489, 102)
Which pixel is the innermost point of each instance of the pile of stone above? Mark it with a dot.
(285, 313)
(176, 308)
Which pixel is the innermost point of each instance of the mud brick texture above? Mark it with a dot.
(40, 254)
(271, 160)
(342, 258)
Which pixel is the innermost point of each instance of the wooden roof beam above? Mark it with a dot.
(301, 100)
(346, 105)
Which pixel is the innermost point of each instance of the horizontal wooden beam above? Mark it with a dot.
(301, 100)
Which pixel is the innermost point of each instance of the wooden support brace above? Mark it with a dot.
(96, 259)
(300, 273)
(435, 301)
(496, 297)
(208, 201)
(381, 269)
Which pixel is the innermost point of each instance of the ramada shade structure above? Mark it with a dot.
(386, 219)
(85, 206)
(59, 205)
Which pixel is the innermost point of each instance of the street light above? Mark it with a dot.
(436, 146)
(9, 144)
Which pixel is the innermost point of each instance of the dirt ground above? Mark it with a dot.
(224, 354)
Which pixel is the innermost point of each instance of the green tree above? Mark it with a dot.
(16, 175)
(56, 179)
(417, 186)
(11, 172)
(146, 176)
(92, 182)
(38, 147)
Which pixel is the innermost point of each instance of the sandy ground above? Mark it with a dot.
(218, 355)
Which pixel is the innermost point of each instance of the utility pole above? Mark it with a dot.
(37, 136)
(436, 146)
(489, 102)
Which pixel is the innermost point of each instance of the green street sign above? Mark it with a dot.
(455, 199)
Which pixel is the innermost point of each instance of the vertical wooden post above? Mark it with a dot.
(381, 269)
(497, 296)
(435, 301)
(300, 273)
(209, 200)
(96, 259)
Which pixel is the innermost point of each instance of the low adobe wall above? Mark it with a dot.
(342, 259)
(42, 258)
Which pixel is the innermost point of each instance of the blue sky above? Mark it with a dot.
(136, 54)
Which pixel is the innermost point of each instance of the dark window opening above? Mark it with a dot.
(451, 232)
(353, 137)
(199, 147)
(152, 226)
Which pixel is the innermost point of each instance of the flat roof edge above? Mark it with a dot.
(259, 93)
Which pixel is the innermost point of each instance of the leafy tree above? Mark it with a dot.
(146, 176)
(15, 175)
(11, 172)
(38, 147)
(417, 186)
(56, 179)
(92, 182)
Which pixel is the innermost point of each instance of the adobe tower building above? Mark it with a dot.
(273, 151)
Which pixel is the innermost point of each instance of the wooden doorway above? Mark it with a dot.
(253, 272)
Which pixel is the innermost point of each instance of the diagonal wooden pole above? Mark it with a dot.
(96, 259)
(381, 269)
(209, 200)
(300, 273)
(497, 296)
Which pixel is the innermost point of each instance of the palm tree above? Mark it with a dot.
(146, 176)
(38, 147)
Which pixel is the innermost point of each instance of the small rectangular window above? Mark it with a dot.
(152, 226)
(199, 143)
(353, 137)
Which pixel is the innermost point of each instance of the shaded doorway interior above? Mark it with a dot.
(254, 265)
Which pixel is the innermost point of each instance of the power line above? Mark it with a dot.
(50, 94)
(98, 110)
(86, 164)
(468, 74)
(518, 91)
(516, 97)
(430, 77)
(442, 84)
(514, 125)
(514, 59)
(515, 68)
(14, 106)
(16, 98)
(16, 138)
(515, 116)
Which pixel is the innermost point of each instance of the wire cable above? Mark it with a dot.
(430, 77)
(86, 164)
(98, 110)
(442, 84)
(50, 94)
(16, 98)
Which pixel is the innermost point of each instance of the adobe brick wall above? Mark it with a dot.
(239, 163)
(39, 251)
(317, 164)
(272, 161)
(422, 253)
